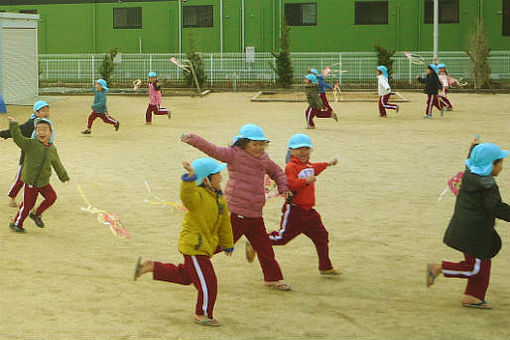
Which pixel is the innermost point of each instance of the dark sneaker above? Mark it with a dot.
(16, 228)
(117, 126)
(37, 219)
(86, 132)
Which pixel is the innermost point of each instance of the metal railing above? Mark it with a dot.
(235, 70)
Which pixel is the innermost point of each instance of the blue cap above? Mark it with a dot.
(39, 105)
(53, 132)
(312, 78)
(153, 74)
(441, 66)
(206, 166)
(252, 132)
(482, 157)
(315, 71)
(103, 84)
(300, 140)
(384, 70)
(434, 68)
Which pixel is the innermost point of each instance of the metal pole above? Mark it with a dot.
(180, 27)
(221, 26)
(436, 29)
(242, 25)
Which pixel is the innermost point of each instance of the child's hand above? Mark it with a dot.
(187, 166)
(311, 179)
(476, 140)
(10, 119)
(333, 162)
(228, 252)
(185, 138)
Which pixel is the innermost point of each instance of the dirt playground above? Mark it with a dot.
(74, 279)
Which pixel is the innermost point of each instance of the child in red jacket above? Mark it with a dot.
(298, 214)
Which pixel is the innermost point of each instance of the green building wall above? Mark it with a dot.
(88, 27)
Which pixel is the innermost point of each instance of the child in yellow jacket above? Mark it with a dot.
(206, 226)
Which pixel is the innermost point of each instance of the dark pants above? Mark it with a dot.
(30, 197)
(295, 221)
(161, 111)
(17, 185)
(476, 271)
(432, 100)
(384, 105)
(104, 116)
(196, 270)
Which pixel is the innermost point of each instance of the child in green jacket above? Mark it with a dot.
(40, 156)
(315, 104)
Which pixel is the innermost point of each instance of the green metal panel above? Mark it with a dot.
(88, 27)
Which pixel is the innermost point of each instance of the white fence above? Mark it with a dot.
(233, 69)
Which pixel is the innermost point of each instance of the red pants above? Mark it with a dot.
(17, 185)
(432, 100)
(296, 220)
(325, 102)
(311, 113)
(476, 271)
(383, 104)
(157, 111)
(255, 231)
(30, 197)
(445, 102)
(197, 269)
(104, 116)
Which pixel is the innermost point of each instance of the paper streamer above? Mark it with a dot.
(111, 219)
(453, 185)
(155, 200)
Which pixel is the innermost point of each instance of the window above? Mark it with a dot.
(448, 11)
(371, 13)
(301, 14)
(127, 17)
(197, 16)
(506, 17)
(28, 11)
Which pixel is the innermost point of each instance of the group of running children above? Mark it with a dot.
(215, 221)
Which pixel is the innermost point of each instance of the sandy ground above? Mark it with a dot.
(74, 279)
(357, 96)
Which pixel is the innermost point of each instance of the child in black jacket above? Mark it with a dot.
(471, 229)
(432, 87)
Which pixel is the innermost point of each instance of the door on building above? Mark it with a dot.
(256, 29)
(20, 71)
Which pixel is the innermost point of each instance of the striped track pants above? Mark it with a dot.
(196, 270)
(17, 185)
(29, 199)
(104, 116)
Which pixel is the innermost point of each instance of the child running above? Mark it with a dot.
(323, 86)
(432, 87)
(40, 156)
(315, 104)
(445, 87)
(298, 214)
(384, 91)
(471, 229)
(155, 100)
(206, 226)
(41, 109)
(99, 109)
(248, 163)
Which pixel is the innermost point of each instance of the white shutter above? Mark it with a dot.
(19, 64)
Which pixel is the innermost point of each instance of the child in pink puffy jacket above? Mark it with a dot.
(155, 100)
(248, 163)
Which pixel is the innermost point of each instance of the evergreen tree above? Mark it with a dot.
(283, 67)
(384, 58)
(479, 52)
(108, 66)
(195, 60)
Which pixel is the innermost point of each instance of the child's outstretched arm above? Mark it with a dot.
(190, 196)
(223, 154)
(22, 142)
(321, 166)
(59, 168)
(276, 173)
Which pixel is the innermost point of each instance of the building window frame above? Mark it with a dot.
(428, 10)
(358, 7)
(505, 18)
(188, 10)
(301, 8)
(28, 11)
(135, 24)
